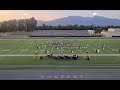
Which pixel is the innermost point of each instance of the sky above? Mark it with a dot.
(47, 15)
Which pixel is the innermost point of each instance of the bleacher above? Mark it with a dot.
(65, 33)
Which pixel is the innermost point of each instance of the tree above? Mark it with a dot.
(21, 25)
(32, 24)
(98, 30)
(4, 26)
(18, 25)
(12, 25)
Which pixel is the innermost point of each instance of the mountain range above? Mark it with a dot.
(72, 20)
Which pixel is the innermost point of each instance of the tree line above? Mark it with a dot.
(15, 25)
(28, 25)
(97, 29)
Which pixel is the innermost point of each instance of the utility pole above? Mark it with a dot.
(25, 14)
(94, 14)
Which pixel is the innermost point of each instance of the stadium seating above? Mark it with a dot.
(60, 33)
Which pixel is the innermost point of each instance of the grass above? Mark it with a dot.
(28, 47)
(27, 60)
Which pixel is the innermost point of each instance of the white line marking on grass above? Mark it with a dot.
(115, 46)
(22, 46)
(23, 50)
(5, 47)
(42, 51)
(96, 46)
(61, 50)
(99, 46)
(33, 45)
(5, 50)
(11, 47)
(107, 47)
(61, 54)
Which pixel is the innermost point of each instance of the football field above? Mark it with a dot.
(21, 51)
(78, 46)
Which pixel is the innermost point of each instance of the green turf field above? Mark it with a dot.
(28, 47)
(27, 60)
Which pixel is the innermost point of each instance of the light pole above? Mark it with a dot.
(94, 14)
(25, 14)
(17, 25)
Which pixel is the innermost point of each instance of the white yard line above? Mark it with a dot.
(43, 49)
(21, 46)
(115, 46)
(62, 54)
(6, 50)
(33, 44)
(84, 44)
(101, 47)
(3, 48)
(108, 48)
(45, 46)
(11, 46)
(14, 48)
(25, 49)
(52, 49)
(97, 46)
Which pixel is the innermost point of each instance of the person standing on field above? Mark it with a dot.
(36, 55)
(119, 50)
(103, 47)
(87, 56)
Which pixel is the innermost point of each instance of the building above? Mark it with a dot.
(62, 33)
(91, 32)
(112, 32)
(113, 29)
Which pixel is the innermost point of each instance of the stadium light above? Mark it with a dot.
(17, 25)
(94, 14)
(25, 14)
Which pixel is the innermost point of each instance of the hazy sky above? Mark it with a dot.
(53, 14)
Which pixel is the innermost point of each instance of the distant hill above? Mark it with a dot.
(96, 20)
